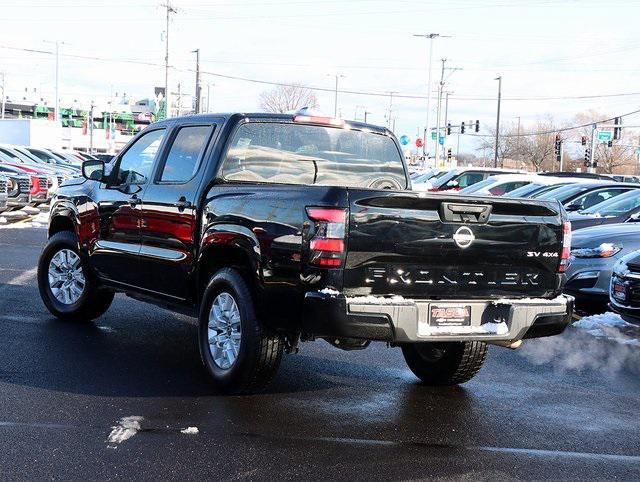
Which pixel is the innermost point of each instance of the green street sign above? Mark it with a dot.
(433, 135)
(605, 136)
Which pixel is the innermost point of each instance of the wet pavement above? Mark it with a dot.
(559, 408)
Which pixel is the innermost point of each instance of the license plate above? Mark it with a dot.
(619, 291)
(450, 315)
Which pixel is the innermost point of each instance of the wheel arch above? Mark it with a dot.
(229, 247)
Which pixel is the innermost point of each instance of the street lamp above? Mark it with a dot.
(335, 101)
(495, 154)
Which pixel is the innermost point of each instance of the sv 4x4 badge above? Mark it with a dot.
(541, 254)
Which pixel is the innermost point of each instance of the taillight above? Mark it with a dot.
(327, 245)
(566, 247)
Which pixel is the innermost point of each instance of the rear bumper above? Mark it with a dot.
(401, 320)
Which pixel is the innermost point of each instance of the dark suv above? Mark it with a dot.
(277, 228)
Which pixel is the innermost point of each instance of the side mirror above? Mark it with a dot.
(634, 218)
(93, 170)
(572, 207)
(452, 184)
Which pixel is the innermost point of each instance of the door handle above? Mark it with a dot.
(134, 200)
(182, 204)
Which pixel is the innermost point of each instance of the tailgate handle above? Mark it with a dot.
(465, 213)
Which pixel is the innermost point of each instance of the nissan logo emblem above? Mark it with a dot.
(463, 237)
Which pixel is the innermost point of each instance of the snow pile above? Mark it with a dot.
(537, 301)
(190, 431)
(380, 300)
(20, 221)
(611, 326)
(499, 328)
(329, 291)
(601, 342)
(126, 428)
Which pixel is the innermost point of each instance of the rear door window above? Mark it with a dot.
(271, 152)
(469, 178)
(184, 155)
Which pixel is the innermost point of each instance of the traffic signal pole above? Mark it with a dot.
(593, 149)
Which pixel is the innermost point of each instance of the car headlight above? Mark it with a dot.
(12, 187)
(605, 250)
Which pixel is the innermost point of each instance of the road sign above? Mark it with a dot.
(605, 136)
(441, 141)
(433, 136)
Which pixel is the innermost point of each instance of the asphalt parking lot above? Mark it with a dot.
(126, 397)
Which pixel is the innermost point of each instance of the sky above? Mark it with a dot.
(547, 52)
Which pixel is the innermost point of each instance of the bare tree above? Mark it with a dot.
(285, 98)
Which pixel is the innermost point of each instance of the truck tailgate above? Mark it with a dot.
(451, 247)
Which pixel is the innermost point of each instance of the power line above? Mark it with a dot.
(323, 89)
(562, 129)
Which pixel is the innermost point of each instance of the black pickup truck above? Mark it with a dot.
(275, 229)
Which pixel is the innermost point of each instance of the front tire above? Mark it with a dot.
(67, 287)
(445, 363)
(239, 354)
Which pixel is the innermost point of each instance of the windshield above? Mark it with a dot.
(564, 192)
(290, 153)
(616, 206)
(479, 185)
(525, 190)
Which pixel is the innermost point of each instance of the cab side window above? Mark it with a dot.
(136, 164)
(185, 153)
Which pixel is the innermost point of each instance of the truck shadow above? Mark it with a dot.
(136, 350)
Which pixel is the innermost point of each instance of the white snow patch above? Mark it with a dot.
(39, 221)
(537, 301)
(3, 220)
(499, 328)
(126, 428)
(190, 431)
(329, 291)
(598, 321)
(380, 300)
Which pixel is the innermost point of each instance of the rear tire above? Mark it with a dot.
(445, 363)
(239, 354)
(90, 303)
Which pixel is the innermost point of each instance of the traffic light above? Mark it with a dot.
(610, 144)
(462, 128)
(477, 126)
(587, 157)
(617, 131)
(449, 129)
(557, 147)
(583, 141)
(449, 154)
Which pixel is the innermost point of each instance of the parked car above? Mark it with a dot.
(624, 293)
(594, 251)
(39, 183)
(620, 209)
(276, 228)
(582, 175)
(498, 185)
(542, 184)
(623, 178)
(583, 195)
(103, 157)
(18, 188)
(4, 181)
(50, 158)
(461, 178)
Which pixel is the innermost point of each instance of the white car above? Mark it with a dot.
(499, 184)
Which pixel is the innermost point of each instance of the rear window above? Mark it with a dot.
(281, 153)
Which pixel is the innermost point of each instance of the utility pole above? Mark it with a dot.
(592, 160)
(91, 128)
(440, 85)
(4, 96)
(495, 154)
(197, 104)
(335, 100)
(429, 36)
(390, 109)
(56, 109)
(167, 98)
(209, 85)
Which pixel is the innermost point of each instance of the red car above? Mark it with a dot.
(40, 183)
